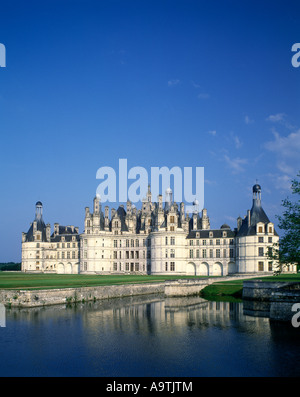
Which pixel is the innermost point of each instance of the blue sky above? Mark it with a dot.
(160, 83)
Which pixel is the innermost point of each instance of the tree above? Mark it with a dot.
(287, 251)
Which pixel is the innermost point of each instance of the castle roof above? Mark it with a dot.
(257, 215)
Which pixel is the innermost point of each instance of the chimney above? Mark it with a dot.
(239, 223)
(249, 219)
(48, 232)
(56, 228)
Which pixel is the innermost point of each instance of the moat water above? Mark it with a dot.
(148, 336)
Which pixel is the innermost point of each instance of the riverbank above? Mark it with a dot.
(30, 290)
(222, 290)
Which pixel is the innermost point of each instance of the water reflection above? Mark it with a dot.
(147, 336)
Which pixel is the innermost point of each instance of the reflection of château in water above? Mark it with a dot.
(157, 239)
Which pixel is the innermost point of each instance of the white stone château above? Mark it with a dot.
(160, 238)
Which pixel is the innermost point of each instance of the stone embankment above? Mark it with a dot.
(43, 297)
(271, 299)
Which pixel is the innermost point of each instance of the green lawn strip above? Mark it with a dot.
(234, 288)
(50, 281)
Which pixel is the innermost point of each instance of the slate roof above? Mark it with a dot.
(41, 227)
(257, 214)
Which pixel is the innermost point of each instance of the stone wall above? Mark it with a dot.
(277, 299)
(184, 287)
(260, 290)
(32, 298)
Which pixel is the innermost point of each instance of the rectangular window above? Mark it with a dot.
(127, 266)
(210, 242)
(218, 241)
(191, 242)
(197, 253)
(260, 229)
(260, 266)
(115, 243)
(172, 219)
(172, 266)
(166, 267)
(204, 242)
(127, 243)
(218, 253)
(204, 253)
(224, 253)
(172, 255)
(191, 254)
(270, 266)
(172, 228)
(260, 239)
(269, 239)
(166, 240)
(231, 253)
(260, 251)
(211, 253)
(173, 240)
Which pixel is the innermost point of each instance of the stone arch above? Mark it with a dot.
(68, 268)
(191, 269)
(217, 269)
(60, 268)
(204, 269)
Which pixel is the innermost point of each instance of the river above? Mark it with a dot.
(147, 336)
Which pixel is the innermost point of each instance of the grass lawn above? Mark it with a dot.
(235, 288)
(18, 280)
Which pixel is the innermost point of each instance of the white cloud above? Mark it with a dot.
(276, 117)
(281, 182)
(209, 182)
(248, 120)
(172, 83)
(195, 85)
(237, 142)
(235, 164)
(213, 132)
(203, 96)
(286, 150)
(285, 146)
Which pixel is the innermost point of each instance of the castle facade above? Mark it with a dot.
(160, 238)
